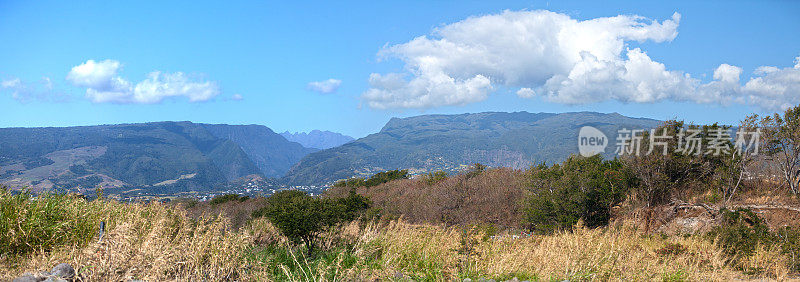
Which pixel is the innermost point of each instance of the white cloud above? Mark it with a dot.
(392, 91)
(159, 85)
(10, 83)
(526, 93)
(325, 86)
(104, 85)
(42, 90)
(237, 97)
(774, 88)
(544, 52)
(97, 75)
(727, 73)
(563, 60)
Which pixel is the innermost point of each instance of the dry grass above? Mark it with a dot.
(430, 253)
(492, 197)
(157, 242)
(151, 242)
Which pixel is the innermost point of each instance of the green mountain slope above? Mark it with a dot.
(271, 152)
(449, 142)
(161, 156)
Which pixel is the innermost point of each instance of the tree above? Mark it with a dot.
(735, 165)
(681, 158)
(782, 144)
(301, 217)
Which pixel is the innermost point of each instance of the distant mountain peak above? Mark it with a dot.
(318, 139)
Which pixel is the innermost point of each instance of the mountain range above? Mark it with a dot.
(159, 156)
(318, 139)
(168, 157)
(452, 142)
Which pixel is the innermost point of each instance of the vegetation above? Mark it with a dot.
(28, 226)
(581, 188)
(141, 155)
(151, 242)
(157, 242)
(301, 218)
(582, 219)
(434, 177)
(743, 234)
(228, 198)
(374, 180)
(782, 134)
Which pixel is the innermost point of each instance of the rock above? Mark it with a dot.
(63, 270)
(467, 280)
(399, 275)
(28, 278)
(54, 279)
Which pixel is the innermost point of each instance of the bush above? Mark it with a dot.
(579, 189)
(228, 198)
(475, 170)
(352, 182)
(301, 217)
(432, 178)
(742, 230)
(375, 180)
(386, 176)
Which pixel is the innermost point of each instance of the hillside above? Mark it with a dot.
(159, 156)
(270, 152)
(318, 139)
(449, 142)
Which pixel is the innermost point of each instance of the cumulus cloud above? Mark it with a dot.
(554, 56)
(104, 85)
(325, 86)
(775, 88)
(24, 92)
(526, 92)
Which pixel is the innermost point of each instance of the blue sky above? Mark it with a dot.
(268, 53)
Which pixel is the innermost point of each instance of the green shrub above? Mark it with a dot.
(352, 182)
(386, 176)
(227, 198)
(301, 217)
(579, 189)
(475, 170)
(432, 178)
(375, 180)
(789, 238)
(740, 232)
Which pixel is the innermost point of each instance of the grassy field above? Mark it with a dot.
(157, 242)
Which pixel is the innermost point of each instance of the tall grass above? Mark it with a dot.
(142, 241)
(43, 222)
(431, 253)
(156, 242)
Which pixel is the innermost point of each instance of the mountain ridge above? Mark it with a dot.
(451, 142)
(154, 156)
(318, 139)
